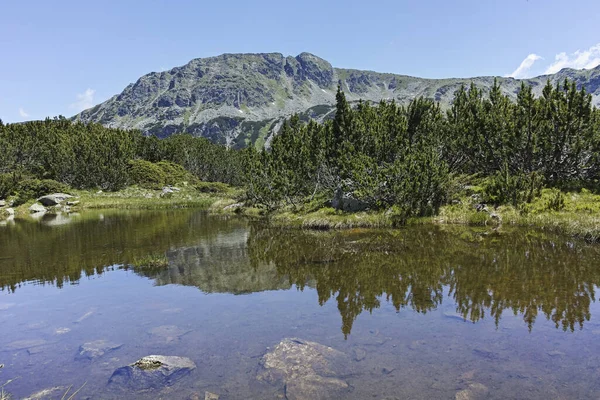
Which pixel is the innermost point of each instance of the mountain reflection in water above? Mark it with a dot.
(484, 273)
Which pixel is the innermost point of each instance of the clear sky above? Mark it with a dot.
(58, 57)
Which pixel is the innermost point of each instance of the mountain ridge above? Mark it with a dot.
(242, 99)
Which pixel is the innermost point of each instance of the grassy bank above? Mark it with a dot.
(574, 214)
(134, 197)
(329, 218)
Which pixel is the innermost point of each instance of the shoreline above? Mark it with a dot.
(580, 217)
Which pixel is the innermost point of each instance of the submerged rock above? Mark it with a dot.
(26, 344)
(6, 306)
(95, 349)
(475, 391)
(307, 370)
(152, 372)
(169, 333)
(359, 354)
(210, 396)
(53, 199)
(56, 391)
(85, 316)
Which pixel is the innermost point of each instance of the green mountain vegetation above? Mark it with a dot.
(409, 160)
(242, 99)
(42, 157)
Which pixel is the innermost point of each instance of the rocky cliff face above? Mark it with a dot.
(242, 99)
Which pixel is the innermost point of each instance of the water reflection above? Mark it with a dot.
(482, 274)
(486, 273)
(57, 251)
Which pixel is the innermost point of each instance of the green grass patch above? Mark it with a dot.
(575, 214)
(259, 144)
(328, 218)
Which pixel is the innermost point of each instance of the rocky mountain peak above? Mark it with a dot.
(242, 99)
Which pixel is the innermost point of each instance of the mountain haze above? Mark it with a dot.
(242, 99)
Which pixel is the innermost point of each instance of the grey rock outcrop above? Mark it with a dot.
(152, 372)
(238, 98)
(307, 370)
(345, 202)
(54, 199)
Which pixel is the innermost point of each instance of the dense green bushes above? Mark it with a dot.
(410, 157)
(7, 185)
(368, 157)
(90, 156)
(156, 175)
(146, 174)
(27, 189)
(552, 140)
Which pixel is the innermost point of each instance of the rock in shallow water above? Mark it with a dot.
(307, 370)
(48, 393)
(152, 372)
(168, 333)
(25, 344)
(475, 391)
(95, 349)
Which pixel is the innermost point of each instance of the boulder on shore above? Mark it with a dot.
(37, 208)
(152, 372)
(345, 202)
(53, 199)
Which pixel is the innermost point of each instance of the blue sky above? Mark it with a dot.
(58, 57)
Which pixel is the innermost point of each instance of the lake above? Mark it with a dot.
(253, 312)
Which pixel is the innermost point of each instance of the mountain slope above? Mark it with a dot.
(241, 99)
